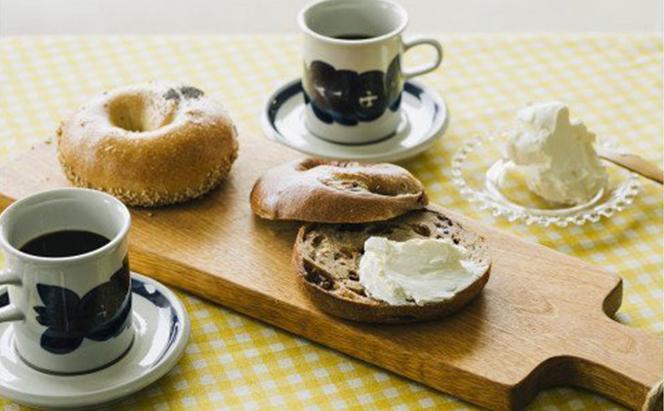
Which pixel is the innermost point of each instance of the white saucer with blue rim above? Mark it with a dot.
(162, 329)
(424, 118)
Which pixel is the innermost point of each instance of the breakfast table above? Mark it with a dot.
(611, 81)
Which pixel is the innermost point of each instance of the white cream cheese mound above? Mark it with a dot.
(423, 270)
(555, 155)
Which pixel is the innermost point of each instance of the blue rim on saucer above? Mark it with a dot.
(162, 329)
(424, 120)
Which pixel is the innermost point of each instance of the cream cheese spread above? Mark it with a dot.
(556, 155)
(420, 270)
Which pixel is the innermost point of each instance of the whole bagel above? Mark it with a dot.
(149, 145)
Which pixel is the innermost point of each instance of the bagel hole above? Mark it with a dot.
(139, 113)
(345, 183)
(360, 182)
(387, 188)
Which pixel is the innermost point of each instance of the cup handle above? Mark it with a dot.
(424, 68)
(9, 312)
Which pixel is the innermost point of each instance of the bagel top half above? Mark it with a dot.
(336, 192)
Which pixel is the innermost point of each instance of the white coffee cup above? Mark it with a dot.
(71, 314)
(353, 86)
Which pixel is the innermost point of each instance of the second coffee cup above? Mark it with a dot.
(68, 277)
(353, 79)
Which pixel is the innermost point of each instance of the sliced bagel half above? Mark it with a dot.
(326, 259)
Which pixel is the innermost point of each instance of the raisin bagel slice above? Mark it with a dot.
(326, 259)
(336, 192)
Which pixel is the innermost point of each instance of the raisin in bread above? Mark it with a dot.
(326, 258)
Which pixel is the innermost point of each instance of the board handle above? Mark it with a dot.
(619, 362)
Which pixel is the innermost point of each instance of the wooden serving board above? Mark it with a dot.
(542, 319)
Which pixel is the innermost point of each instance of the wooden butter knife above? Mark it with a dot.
(633, 163)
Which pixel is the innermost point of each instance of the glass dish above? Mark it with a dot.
(478, 166)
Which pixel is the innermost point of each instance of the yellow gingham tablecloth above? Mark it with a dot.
(612, 82)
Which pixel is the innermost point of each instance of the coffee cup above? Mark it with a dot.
(353, 79)
(68, 279)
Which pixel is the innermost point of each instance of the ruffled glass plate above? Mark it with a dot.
(478, 166)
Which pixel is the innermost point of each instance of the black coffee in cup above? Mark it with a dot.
(64, 243)
(71, 292)
(353, 36)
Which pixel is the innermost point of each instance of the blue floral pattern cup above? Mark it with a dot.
(70, 314)
(353, 77)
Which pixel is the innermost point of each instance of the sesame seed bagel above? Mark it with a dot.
(149, 145)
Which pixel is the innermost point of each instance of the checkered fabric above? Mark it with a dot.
(612, 82)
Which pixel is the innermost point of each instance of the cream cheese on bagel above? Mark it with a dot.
(420, 270)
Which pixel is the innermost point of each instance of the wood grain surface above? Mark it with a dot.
(541, 320)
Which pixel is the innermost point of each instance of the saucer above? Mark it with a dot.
(161, 327)
(478, 169)
(423, 119)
